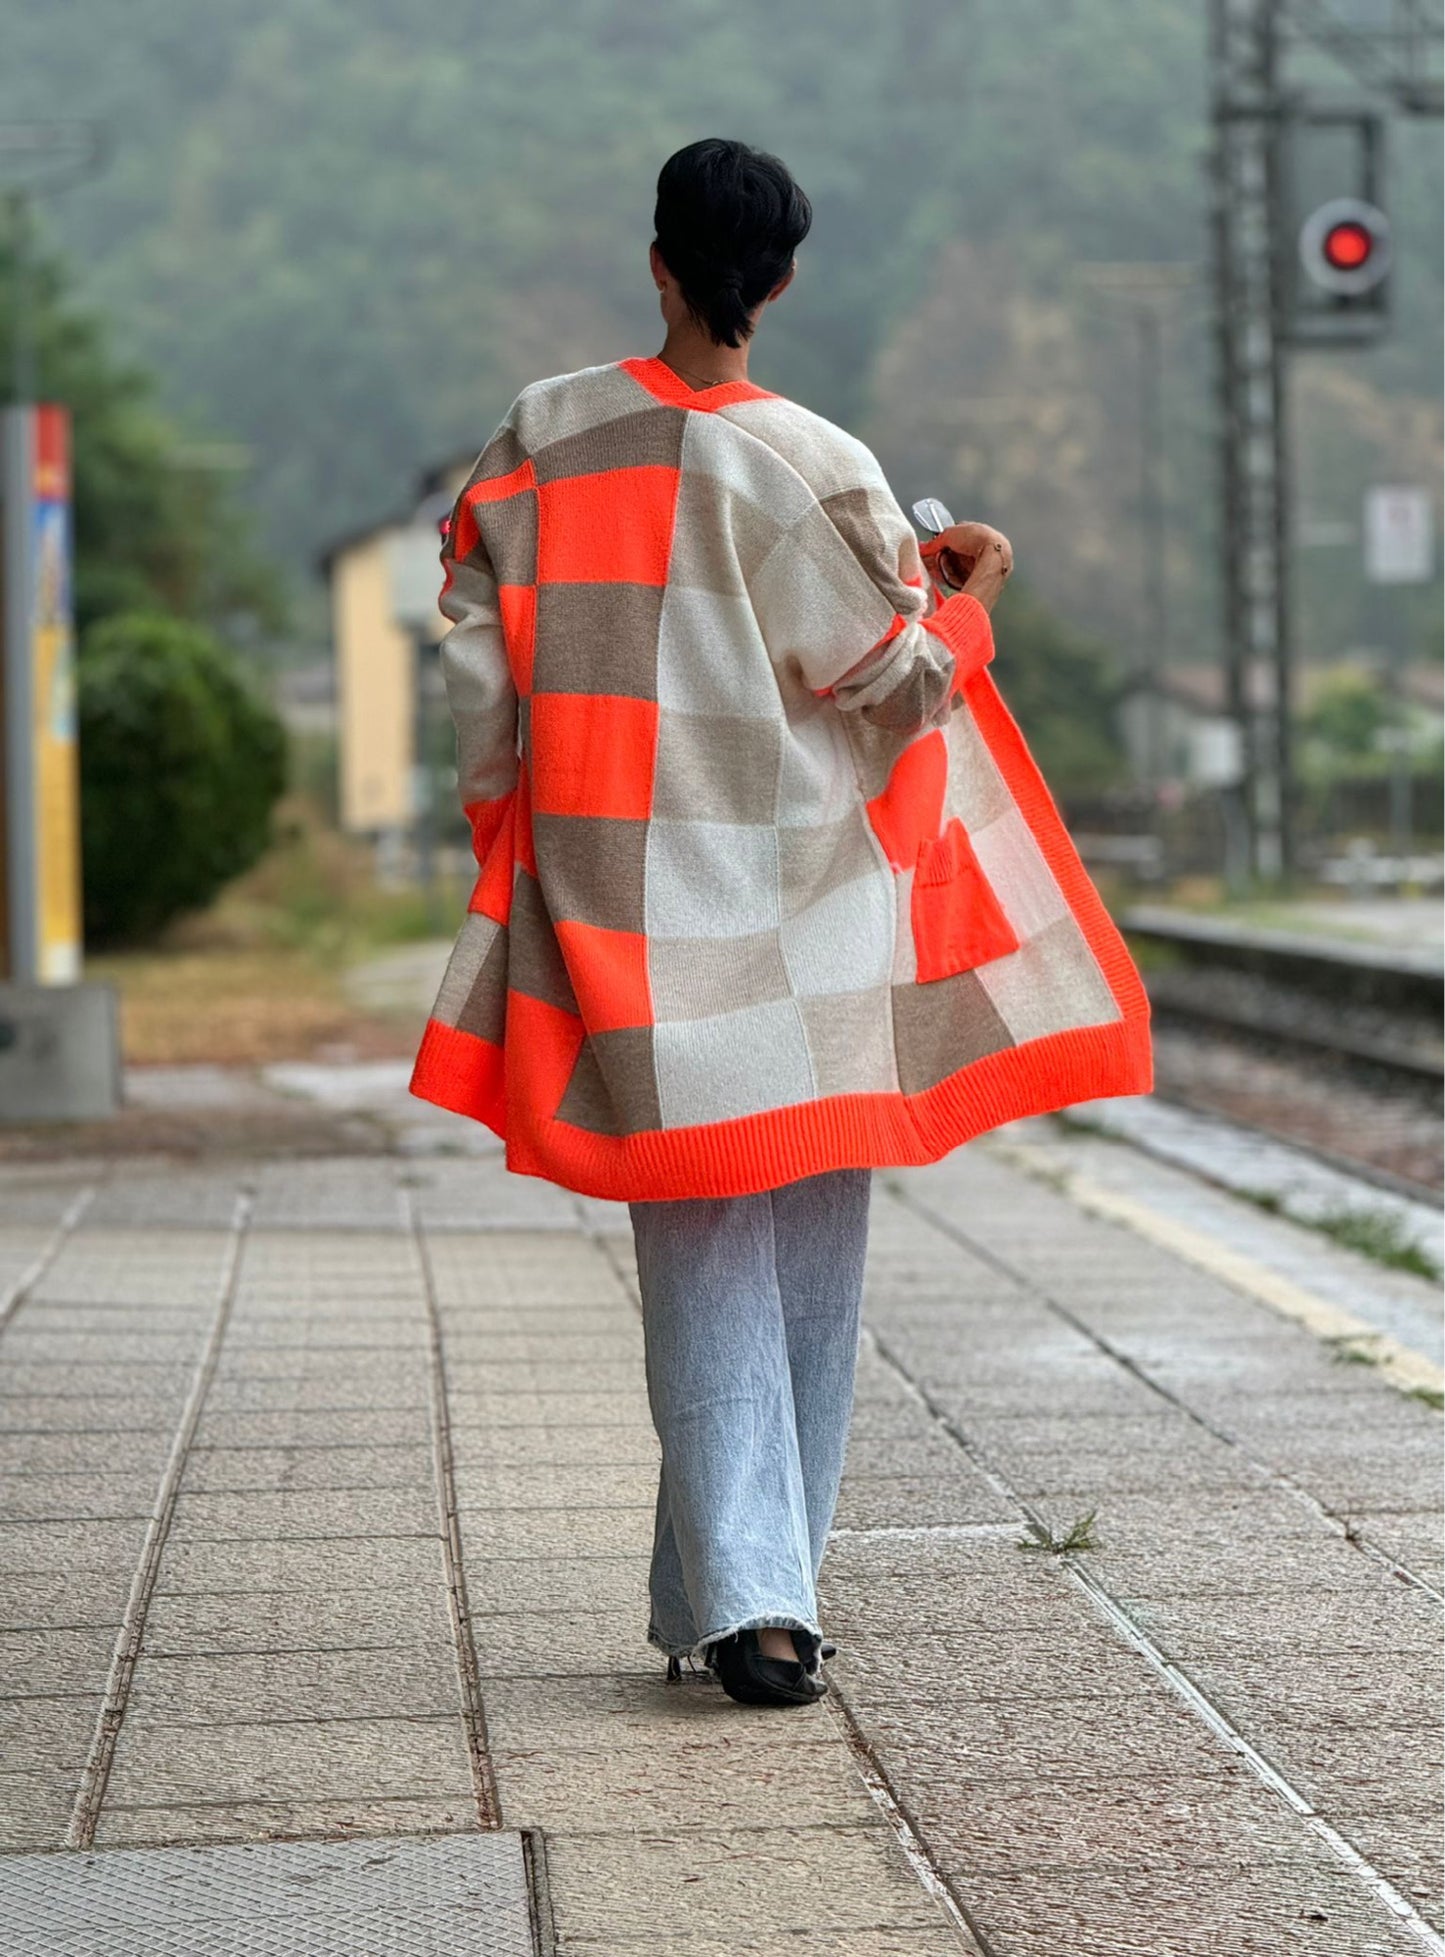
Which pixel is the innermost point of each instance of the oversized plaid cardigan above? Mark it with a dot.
(769, 883)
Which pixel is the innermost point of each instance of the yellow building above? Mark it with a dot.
(375, 651)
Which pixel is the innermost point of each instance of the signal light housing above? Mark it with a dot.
(1344, 247)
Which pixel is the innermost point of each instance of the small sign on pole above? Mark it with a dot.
(41, 757)
(1399, 535)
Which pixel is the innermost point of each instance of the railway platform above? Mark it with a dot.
(328, 1482)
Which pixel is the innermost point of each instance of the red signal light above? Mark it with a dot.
(1344, 247)
(1347, 246)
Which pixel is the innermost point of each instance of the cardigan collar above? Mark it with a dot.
(663, 384)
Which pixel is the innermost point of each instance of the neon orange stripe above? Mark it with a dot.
(495, 489)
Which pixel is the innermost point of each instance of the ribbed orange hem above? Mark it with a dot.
(760, 1151)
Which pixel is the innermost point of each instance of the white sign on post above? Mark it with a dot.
(1399, 536)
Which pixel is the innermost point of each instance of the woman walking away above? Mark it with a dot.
(770, 891)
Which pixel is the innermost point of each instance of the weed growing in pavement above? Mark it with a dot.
(1430, 1395)
(1354, 1349)
(1079, 1537)
(1263, 1199)
(1381, 1234)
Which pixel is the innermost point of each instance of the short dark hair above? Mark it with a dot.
(728, 220)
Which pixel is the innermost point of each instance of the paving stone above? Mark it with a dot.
(1071, 1659)
(1354, 1767)
(593, 1713)
(1370, 1476)
(85, 1455)
(33, 1546)
(541, 1447)
(1195, 1561)
(527, 1646)
(1413, 1537)
(217, 1469)
(35, 1809)
(614, 1352)
(49, 1733)
(358, 1369)
(892, 1609)
(557, 1586)
(345, 1563)
(612, 1887)
(343, 1335)
(294, 1513)
(1403, 1843)
(1041, 1743)
(280, 1621)
(1279, 1421)
(221, 1821)
(80, 1379)
(476, 1326)
(567, 1410)
(51, 1661)
(1296, 1906)
(1365, 1618)
(624, 1790)
(556, 1531)
(560, 1381)
(102, 1266)
(357, 1193)
(417, 1680)
(315, 1427)
(311, 1760)
(44, 1414)
(63, 1598)
(882, 1501)
(322, 1391)
(77, 1498)
(922, 1451)
(1355, 1688)
(1002, 1827)
(177, 1200)
(666, 1942)
(553, 1486)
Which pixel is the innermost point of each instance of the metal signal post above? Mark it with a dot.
(1286, 276)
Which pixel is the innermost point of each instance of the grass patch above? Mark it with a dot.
(1354, 1349)
(1268, 1200)
(1429, 1396)
(1080, 1536)
(261, 975)
(1382, 1235)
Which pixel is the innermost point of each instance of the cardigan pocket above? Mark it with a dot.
(958, 922)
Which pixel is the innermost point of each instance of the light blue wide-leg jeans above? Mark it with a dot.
(750, 1309)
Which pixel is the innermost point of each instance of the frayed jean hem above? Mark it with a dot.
(698, 1651)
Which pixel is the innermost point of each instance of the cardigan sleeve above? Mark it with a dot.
(842, 596)
(480, 690)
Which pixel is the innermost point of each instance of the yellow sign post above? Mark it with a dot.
(42, 782)
(59, 1053)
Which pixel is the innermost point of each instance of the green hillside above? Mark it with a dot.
(344, 232)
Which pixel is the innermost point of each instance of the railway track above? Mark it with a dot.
(1334, 1046)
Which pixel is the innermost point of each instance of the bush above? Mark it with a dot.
(181, 765)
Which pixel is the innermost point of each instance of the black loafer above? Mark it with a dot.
(753, 1680)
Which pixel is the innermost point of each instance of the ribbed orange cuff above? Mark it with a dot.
(964, 626)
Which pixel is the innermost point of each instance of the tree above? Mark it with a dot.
(181, 766)
(152, 531)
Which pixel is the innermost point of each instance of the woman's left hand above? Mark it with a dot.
(971, 557)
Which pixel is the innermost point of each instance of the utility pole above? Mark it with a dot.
(1254, 526)
(1259, 311)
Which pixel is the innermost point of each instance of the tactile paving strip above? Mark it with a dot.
(447, 1896)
